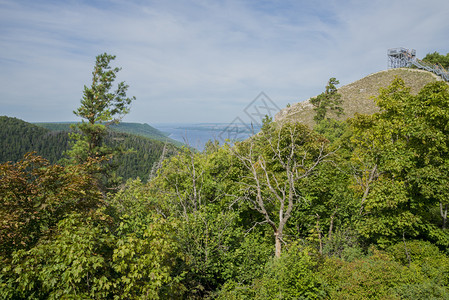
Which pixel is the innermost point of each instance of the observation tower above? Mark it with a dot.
(406, 58)
(400, 57)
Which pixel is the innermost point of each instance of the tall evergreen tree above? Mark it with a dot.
(101, 106)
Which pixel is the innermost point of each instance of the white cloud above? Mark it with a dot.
(201, 61)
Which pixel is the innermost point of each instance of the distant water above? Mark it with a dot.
(197, 135)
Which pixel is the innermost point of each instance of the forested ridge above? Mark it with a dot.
(353, 209)
(138, 129)
(18, 137)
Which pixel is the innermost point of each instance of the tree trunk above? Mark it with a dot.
(319, 233)
(443, 212)
(278, 245)
(371, 178)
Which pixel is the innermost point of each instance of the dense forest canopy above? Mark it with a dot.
(352, 209)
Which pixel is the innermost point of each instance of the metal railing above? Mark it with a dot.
(434, 68)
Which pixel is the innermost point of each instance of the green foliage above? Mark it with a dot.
(132, 200)
(371, 277)
(330, 99)
(208, 240)
(35, 195)
(251, 255)
(196, 188)
(424, 258)
(99, 103)
(56, 126)
(138, 162)
(293, 276)
(414, 270)
(399, 154)
(328, 214)
(437, 58)
(422, 290)
(189, 180)
(130, 254)
(73, 263)
(147, 249)
(145, 253)
(331, 129)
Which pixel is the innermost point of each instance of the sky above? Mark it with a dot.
(201, 61)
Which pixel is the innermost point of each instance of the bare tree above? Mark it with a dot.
(276, 159)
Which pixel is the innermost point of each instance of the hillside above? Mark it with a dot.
(18, 137)
(139, 129)
(357, 96)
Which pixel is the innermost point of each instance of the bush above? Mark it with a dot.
(292, 276)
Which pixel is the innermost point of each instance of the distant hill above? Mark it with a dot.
(18, 137)
(357, 96)
(139, 129)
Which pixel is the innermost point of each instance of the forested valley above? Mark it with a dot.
(351, 209)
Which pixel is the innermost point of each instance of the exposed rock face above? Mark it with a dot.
(358, 96)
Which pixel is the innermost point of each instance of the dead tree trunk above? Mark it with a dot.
(296, 152)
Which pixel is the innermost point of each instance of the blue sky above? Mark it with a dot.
(199, 61)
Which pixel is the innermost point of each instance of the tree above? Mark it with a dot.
(101, 106)
(123, 251)
(380, 160)
(73, 263)
(293, 276)
(429, 137)
(437, 58)
(194, 188)
(330, 99)
(182, 180)
(35, 195)
(276, 160)
(400, 162)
